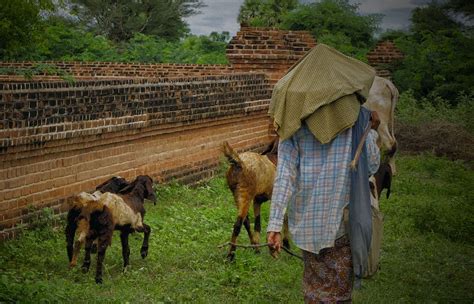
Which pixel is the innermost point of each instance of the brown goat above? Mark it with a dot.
(113, 185)
(123, 212)
(250, 178)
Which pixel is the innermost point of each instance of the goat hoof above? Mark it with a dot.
(144, 253)
(85, 268)
(98, 280)
(231, 256)
(286, 244)
(94, 248)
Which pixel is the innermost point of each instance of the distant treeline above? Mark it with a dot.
(438, 46)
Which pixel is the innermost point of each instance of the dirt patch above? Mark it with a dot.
(442, 138)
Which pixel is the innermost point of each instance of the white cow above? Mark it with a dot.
(383, 97)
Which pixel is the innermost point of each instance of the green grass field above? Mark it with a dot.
(427, 255)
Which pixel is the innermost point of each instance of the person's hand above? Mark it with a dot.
(274, 240)
(374, 117)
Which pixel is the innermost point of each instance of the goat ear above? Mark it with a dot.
(128, 188)
(150, 191)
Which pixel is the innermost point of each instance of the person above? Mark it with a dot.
(314, 180)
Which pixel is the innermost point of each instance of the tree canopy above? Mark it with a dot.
(119, 20)
(266, 13)
(438, 57)
(20, 24)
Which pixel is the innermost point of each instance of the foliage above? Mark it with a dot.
(120, 20)
(38, 69)
(418, 112)
(343, 44)
(424, 256)
(20, 24)
(66, 41)
(265, 13)
(200, 49)
(438, 58)
(338, 19)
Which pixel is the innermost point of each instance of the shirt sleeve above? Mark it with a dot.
(284, 185)
(373, 152)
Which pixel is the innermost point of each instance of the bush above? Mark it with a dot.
(416, 112)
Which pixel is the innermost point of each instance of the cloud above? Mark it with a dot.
(221, 15)
(218, 16)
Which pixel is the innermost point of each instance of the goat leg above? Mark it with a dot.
(125, 247)
(101, 248)
(87, 258)
(144, 249)
(257, 225)
(70, 232)
(249, 231)
(235, 234)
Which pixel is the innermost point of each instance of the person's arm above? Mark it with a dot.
(283, 189)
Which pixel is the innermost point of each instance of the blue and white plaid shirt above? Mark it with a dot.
(313, 181)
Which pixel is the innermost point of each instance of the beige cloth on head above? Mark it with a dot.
(321, 90)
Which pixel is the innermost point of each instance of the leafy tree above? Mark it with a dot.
(265, 13)
(198, 49)
(432, 18)
(119, 20)
(65, 40)
(336, 22)
(438, 59)
(20, 25)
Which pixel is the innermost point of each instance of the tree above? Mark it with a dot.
(438, 58)
(431, 18)
(119, 20)
(20, 25)
(265, 13)
(336, 22)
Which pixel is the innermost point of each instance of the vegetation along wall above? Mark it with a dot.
(59, 137)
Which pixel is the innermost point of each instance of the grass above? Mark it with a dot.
(427, 254)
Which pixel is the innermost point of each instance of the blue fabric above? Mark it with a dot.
(360, 219)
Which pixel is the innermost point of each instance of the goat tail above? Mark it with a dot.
(231, 155)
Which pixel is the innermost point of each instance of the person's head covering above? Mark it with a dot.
(324, 90)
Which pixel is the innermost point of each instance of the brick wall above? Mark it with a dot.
(112, 70)
(384, 54)
(58, 139)
(268, 50)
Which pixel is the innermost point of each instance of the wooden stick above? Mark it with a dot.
(244, 246)
(354, 162)
(261, 245)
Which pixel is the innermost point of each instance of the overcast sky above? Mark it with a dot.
(221, 15)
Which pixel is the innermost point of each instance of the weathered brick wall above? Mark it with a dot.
(384, 54)
(59, 139)
(268, 50)
(110, 70)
